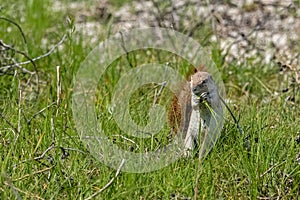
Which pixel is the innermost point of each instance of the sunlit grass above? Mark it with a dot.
(68, 171)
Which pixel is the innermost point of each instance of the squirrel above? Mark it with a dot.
(202, 113)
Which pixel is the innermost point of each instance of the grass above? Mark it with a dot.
(68, 170)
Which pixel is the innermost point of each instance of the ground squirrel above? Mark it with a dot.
(202, 113)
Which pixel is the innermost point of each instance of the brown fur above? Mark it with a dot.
(174, 114)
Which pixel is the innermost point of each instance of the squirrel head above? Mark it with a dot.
(203, 88)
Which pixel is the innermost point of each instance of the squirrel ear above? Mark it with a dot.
(194, 70)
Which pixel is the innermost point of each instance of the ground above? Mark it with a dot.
(254, 45)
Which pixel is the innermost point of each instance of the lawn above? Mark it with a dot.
(43, 157)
